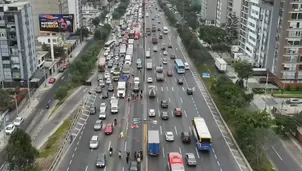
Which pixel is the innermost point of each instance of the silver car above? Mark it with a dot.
(190, 159)
(98, 125)
(151, 113)
(101, 83)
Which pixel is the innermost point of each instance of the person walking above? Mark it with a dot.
(127, 159)
(128, 154)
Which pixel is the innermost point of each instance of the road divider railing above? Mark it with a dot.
(179, 42)
(66, 138)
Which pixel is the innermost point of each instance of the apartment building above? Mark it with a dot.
(270, 37)
(233, 7)
(208, 10)
(17, 43)
(258, 29)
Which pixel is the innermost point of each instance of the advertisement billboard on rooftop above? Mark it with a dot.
(56, 23)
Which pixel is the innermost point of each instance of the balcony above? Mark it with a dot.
(13, 43)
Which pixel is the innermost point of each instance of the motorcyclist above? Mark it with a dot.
(115, 121)
(110, 151)
(120, 154)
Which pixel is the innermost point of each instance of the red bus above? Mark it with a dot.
(102, 64)
(175, 162)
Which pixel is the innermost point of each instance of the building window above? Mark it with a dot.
(6, 66)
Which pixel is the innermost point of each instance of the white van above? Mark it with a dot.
(148, 54)
(128, 59)
(187, 67)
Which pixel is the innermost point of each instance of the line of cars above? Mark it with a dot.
(12, 127)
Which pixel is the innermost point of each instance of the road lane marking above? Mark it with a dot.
(123, 169)
(84, 90)
(161, 88)
(181, 100)
(276, 153)
(125, 146)
(161, 130)
(109, 145)
(167, 88)
(172, 88)
(179, 150)
(67, 169)
(183, 89)
(72, 155)
(175, 130)
(169, 100)
(190, 130)
(197, 153)
(218, 163)
(70, 161)
(105, 168)
(163, 152)
(185, 113)
(172, 113)
(83, 119)
(157, 99)
(76, 149)
(86, 169)
(158, 113)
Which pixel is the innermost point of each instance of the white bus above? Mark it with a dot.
(166, 30)
(109, 43)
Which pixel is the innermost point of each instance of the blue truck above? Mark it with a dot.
(153, 142)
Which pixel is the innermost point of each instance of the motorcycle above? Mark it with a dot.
(110, 153)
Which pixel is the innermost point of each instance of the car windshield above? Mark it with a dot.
(9, 128)
(108, 127)
(93, 141)
(165, 113)
(98, 122)
(18, 119)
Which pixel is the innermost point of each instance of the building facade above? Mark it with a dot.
(46, 7)
(17, 43)
(208, 10)
(75, 7)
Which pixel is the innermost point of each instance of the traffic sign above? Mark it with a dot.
(206, 75)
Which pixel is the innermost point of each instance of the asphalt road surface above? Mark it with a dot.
(33, 122)
(220, 158)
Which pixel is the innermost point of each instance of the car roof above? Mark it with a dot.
(164, 100)
(10, 125)
(177, 108)
(101, 156)
(190, 155)
(170, 133)
(98, 121)
(109, 124)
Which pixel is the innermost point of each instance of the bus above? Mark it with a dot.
(166, 30)
(175, 162)
(102, 64)
(179, 66)
(109, 43)
(201, 134)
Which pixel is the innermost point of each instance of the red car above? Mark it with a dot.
(169, 73)
(65, 66)
(51, 80)
(109, 129)
(177, 112)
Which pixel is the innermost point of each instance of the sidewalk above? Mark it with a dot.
(27, 109)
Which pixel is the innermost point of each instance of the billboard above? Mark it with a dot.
(56, 22)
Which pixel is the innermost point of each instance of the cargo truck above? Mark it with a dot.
(160, 74)
(149, 64)
(154, 39)
(220, 64)
(153, 142)
(152, 91)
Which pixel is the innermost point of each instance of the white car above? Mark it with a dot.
(106, 53)
(165, 53)
(18, 121)
(94, 142)
(165, 61)
(149, 80)
(152, 112)
(108, 80)
(107, 75)
(10, 128)
(138, 61)
(169, 136)
(101, 83)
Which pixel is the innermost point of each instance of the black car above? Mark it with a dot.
(164, 104)
(105, 94)
(101, 160)
(164, 115)
(185, 137)
(160, 36)
(172, 56)
(180, 81)
(110, 88)
(189, 91)
(92, 110)
(169, 46)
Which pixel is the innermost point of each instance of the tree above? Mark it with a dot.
(21, 154)
(97, 35)
(232, 27)
(284, 124)
(221, 47)
(59, 51)
(61, 93)
(96, 21)
(5, 101)
(244, 71)
(212, 34)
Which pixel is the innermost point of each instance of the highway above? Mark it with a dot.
(34, 120)
(80, 157)
(220, 158)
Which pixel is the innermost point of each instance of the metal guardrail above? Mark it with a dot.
(61, 150)
(179, 41)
